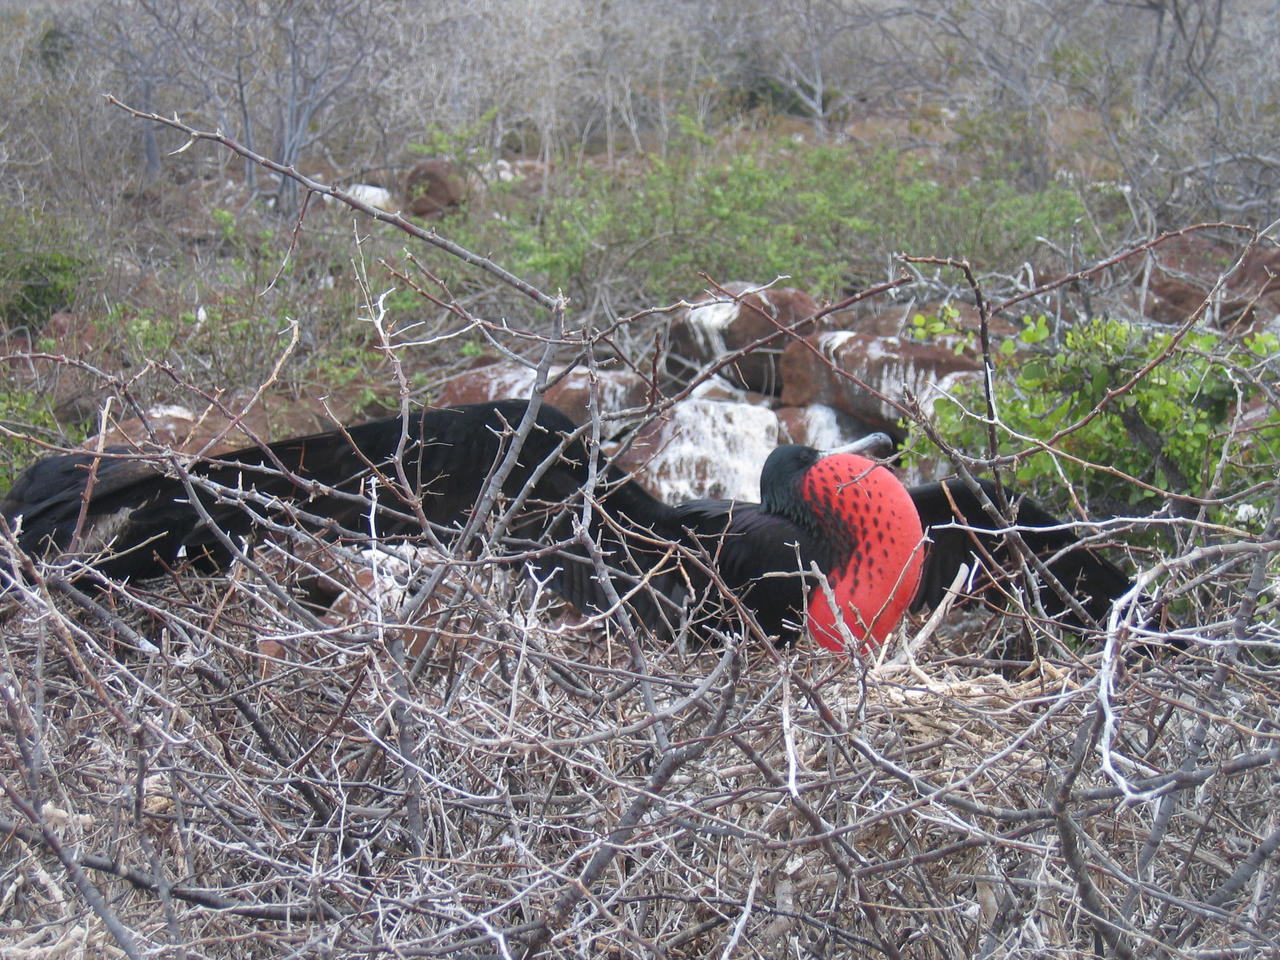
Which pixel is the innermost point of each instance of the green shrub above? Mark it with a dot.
(823, 216)
(41, 268)
(1182, 427)
(26, 415)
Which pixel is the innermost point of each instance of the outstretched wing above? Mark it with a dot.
(436, 465)
(1084, 573)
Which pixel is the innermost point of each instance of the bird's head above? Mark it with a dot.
(786, 466)
(868, 527)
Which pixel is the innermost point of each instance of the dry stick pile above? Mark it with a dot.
(199, 765)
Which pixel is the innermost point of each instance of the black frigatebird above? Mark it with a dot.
(840, 514)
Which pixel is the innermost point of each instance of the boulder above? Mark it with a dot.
(434, 187)
(1185, 270)
(177, 428)
(895, 319)
(618, 389)
(820, 426)
(377, 197)
(492, 381)
(716, 325)
(845, 370)
(210, 431)
(704, 448)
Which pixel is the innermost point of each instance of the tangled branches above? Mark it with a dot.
(192, 764)
(439, 760)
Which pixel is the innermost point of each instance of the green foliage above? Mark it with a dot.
(925, 327)
(146, 334)
(945, 323)
(460, 144)
(823, 216)
(41, 268)
(26, 414)
(690, 127)
(1034, 330)
(225, 221)
(1174, 428)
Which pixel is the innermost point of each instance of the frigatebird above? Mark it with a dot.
(841, 515)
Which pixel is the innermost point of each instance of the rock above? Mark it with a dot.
(1186, 269)
(717, 388)
(884, 364)
(1255, 285)
(820, 426)
(895, 320)
(716, 326)
(704, 448)
(211, 432)
(493, 381)
(75, 335)
(434, 187)
(618, 389)
(177, 428)
(377, 197)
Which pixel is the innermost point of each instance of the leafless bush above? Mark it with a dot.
(207, 765)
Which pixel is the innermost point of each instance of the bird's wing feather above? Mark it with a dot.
(440, 461)
(446, 458)
(1084, 572)
(447, 455)
(758, 555)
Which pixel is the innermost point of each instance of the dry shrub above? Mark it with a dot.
(234, 775)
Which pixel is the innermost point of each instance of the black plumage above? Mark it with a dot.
(947, 507)
(438, 464)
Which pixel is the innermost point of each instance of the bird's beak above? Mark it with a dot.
(874, 445)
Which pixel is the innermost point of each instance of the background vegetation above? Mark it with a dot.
(807, 139)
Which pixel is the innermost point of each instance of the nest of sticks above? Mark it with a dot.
(444, 762)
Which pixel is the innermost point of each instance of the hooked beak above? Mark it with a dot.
(874, 445)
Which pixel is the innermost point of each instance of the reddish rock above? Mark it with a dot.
(895, 320)
(1258, 276)
(718, 388)
(717, 325)
(618, 389)
(704, 448)
(494, 381)
(181, 429)
(820, 426)
(878, 320)
(74, 334)
(434, 187)
(1186, 269)
(210, 430)
(885, 364)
